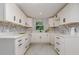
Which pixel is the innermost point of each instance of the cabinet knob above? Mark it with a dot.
(14, 18)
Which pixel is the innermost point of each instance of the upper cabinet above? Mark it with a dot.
(53, 22)
(29, 22)
(69, 14)
(1, 11)
(12, 13)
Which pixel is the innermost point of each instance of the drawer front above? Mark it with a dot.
(57, 50)
(60, 48)
(21, 44)
(19, 41)
(19, 49)
(59, 39)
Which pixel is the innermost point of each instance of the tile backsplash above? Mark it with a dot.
(66, 29)
(8, 27)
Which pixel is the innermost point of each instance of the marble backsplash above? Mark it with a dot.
(8, 27)
(66, 29)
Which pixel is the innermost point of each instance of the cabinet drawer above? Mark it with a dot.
(19, 41)
(59, 39)
(60, 48)
(19, 49)
(57, 50)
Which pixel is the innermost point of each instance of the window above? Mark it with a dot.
(39, 26)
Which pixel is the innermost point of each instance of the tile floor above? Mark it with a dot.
(41, 49)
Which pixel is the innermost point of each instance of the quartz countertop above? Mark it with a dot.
(11, 35)
(67, 35)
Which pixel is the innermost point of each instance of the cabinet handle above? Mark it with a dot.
(57, 37)
(19, 44)
(19, 40)
(14, 18)
(57, 43)
(25, 23)
(57, 50)
(19, 20)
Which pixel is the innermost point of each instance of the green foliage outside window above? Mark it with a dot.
(39, 26)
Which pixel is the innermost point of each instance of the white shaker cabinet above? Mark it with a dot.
(67, 44)
(14, 46)
(35, 38)
(53, 22)
(70, 12)
(40, 38)
(21, 45)
(21, 17)
(60, 44)
(12, 13)
(29, 22)
(44, 38)
(71, 45)
(52, 38)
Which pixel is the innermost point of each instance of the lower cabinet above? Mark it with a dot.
(51, 38)
(40, 38)
(14, 46)
(59, 45)
(22, 45)
(67, 44)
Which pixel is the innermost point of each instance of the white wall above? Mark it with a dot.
(70, 12)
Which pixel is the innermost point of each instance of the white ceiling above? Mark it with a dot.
(40, 10)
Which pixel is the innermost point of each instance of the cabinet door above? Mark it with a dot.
(52, 38)
(60, 44)
(35, 38)
(44, 37)
(21, 18)
(19, 46)
(1, 11)
(13, 13)
(29, 22)
(51, 24)
(18, 50)
(9, 12)
(71, 45)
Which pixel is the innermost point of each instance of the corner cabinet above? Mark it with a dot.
(53, 22)
(12, 13)
(29, 22)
